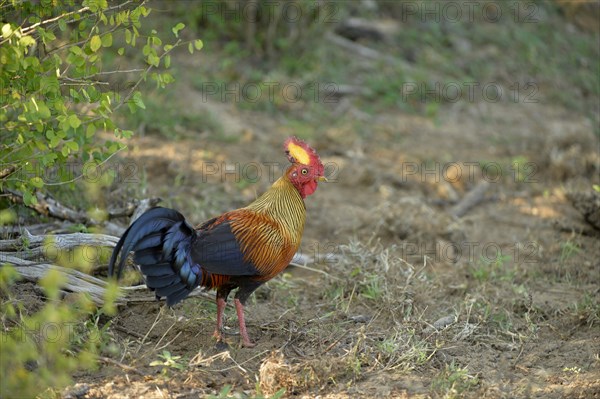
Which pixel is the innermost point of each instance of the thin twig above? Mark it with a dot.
(158, 315)
(114, 362)
(168, 343)
(25, 30)
(315, 270)
(165, 334)
(113, 72)
(83, 174)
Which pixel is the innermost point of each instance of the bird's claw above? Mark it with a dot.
(218, 335)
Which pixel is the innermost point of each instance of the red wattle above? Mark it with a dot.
(308, 188)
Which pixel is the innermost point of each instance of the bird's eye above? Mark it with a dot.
(304, 171)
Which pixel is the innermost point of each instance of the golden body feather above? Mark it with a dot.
(269, 230)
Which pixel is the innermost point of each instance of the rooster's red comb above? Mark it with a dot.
(298, 151)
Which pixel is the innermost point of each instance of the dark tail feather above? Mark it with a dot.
(160, 240)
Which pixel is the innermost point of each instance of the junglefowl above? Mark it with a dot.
(240, 249)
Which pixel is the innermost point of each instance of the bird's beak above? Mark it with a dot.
(322, 178)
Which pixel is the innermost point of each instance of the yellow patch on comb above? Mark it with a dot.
(299, 153)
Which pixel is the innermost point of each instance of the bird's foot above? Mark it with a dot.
(246, 343)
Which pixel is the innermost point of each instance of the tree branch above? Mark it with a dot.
(26, 30)
(48, 206)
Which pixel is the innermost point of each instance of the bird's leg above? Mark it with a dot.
(247, 287)
(222, 294)
(220, 310)
(239, 308)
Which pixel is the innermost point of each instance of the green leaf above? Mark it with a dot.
(167, 61)
(26, 41)
(95, 43)
(121, 51)
(7, 216)
(198, 44)
(153, 59)
(6, 30)
(127, 36)
(191, 48)
(29, 198)
(73, 146)
(107, 40)
(46, 35)
(127, 133)
(137, 100)
(177, 28)
(54, 141)
(62, 24)
(135, 35)
(167, 78)
(74, 121)
(76, 50)
(90, 130)
(36, 182)
(132, 108)
(43, 111)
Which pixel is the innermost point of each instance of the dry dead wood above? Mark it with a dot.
(30, 246)
(56, 227)
(133, 207)
(359, 49)
(77, 281)
(373, 54)
(470, 200)
(359, 29)
(7, 171)
(48, 206)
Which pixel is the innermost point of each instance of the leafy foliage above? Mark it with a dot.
(282, 33)
(168, 361)
(56, 95)
(59, 90)
(42, 349)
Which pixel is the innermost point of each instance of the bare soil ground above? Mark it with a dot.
(502, 302)
(407, 292)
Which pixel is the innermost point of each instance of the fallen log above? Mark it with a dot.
(79, 282)
(33, 245)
